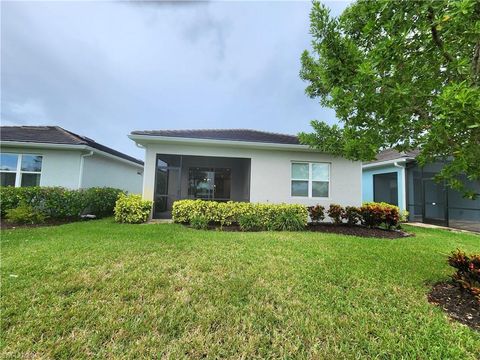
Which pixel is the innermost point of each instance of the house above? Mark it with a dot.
(396, 178)
(52, 156)
(242, 165)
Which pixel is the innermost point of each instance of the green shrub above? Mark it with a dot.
(289, 220)
(230, 212)
(352, 215)
(336, 213)
(316, 213)
(58, 202)
(377, 214)
(199, 222)
(25, 214)
(468, 271)
(249, 222)
(132, 209)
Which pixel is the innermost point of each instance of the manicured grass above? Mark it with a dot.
(100, 289)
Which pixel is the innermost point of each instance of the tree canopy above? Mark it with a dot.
(402, 74)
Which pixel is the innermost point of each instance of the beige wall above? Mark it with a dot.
(270, 172)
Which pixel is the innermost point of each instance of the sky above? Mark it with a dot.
(103, 69)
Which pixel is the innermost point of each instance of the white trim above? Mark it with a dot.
(142, 139)
(387, 162)
(18, 171)
(310, 180)
(404, 182)
(38, 145)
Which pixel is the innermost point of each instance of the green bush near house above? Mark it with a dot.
(269, 216)
(132, 209)
(60, 203)
(25, 214)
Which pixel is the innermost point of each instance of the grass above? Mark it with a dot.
(103, 290)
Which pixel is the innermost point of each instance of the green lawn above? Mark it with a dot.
(99, 289)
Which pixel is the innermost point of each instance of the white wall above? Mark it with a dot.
(270, 172)
(59, 167)
(100, 170)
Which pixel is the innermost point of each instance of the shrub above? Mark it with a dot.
(249, 222)
(316, 213)
(468, 271)
(352, 215)
(199, 222)
(289, 220)
(336, 212)
(227, 213)
(132, 209)
(25, 214)
(60, 203)
(377, 214)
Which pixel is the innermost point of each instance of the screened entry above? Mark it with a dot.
(199, 177)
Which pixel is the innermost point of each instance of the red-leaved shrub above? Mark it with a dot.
(468, 271)
(352, 215)
(377, 214)
(316, 213)
(336, 212)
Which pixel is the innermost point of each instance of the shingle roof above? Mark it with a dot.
(56, 135)
(392, 154)
(245, 135)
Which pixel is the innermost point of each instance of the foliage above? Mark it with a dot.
(377, 214)
(402, 74)
(249, 222)
(270, 216)
(199, 222)
(352, 214)
(316, 213)
(132, 209)
(336, 213)
(468, 271)
(60, 203)
(25, 214)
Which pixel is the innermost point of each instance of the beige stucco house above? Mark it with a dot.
(242, 165)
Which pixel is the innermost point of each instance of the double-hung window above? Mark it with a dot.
(20, 169)
(310, 179)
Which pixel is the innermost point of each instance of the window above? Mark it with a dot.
(209, 183)
(310, 179)
(20, 169)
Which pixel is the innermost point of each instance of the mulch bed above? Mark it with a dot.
(458, 303)
(343, 229)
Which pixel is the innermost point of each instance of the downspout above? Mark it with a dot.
(82, 161)
(404, 182)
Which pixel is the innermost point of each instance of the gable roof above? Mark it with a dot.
(392, 155)
(243, 135)
(56, 135)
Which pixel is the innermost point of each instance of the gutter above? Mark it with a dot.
(82, 161)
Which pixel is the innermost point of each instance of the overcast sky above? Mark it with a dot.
(103, 69)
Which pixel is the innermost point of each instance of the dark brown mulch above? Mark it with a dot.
(358, 230)
(343, 229)
(4, 225)
(458, 303)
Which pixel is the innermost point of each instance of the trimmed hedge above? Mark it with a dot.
(132, 209)
(269, 216)
(60, 203)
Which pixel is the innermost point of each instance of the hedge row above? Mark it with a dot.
(249, 216)
(58, 202)
(370, 214)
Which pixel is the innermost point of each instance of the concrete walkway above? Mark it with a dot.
(431, 226)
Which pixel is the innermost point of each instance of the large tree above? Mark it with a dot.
(402, 74)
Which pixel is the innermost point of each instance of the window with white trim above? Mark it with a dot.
(20, 169)
(310, 179)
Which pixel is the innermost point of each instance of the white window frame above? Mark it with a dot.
(19, 172)
(310, 180)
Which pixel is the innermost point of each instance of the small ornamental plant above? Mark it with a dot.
(352, 215)
(316, 213)
(467, 275)
(336, 213)
(132, 209)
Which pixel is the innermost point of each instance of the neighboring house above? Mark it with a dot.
(396, 178)
(242, 165)
(52, 156)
